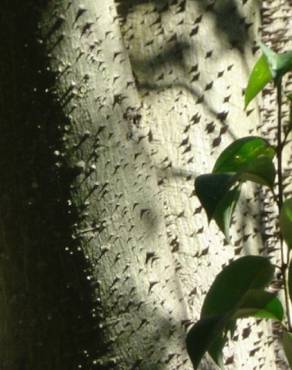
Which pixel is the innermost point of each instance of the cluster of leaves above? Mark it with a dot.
(238, 291)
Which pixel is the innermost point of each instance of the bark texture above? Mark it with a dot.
(108, 112)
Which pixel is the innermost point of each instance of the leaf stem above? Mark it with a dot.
(284, 261)
(284, 141)
(279, 143)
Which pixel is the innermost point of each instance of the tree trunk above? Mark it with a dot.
(108, 112)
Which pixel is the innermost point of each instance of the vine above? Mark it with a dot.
(240, 289)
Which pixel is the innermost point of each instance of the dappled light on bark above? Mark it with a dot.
(109, 111)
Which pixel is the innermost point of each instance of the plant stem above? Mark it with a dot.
(284, 261)
(279, 144)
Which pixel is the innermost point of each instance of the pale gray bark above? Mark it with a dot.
(107, 254)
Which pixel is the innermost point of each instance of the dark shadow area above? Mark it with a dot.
(44, 291)
(226, 14)
(229, 23)
(171, 54)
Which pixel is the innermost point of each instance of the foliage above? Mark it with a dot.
(239, 290)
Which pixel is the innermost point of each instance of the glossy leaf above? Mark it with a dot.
(283, 64)
(236, 292)
(261, 304)
(211, 188)
(287, 345)
(251, 158)
(271, 58)
(260, 76)
(215, 349)
(290, 280)
(224, 211)
(210, 335)
(218, 195)
(270, 66)
(262, 171)
(232, 285)
(286, 222)
(202, 336)
(279, 63)
(234, 282)
(241, 152)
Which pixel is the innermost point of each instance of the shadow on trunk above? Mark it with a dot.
(228, 19)
(46, 298)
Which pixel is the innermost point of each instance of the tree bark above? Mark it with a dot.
(109, 110)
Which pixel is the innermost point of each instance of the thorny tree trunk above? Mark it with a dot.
(108, 112)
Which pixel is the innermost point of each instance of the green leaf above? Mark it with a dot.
(290, 280)
(215, 349)
(279, 64)
(211, 188)
(202, 336)
(270, 66)
(284, 63)
(233, 285)
(287, 345)
(262, 304)
(251, 158)
(286, 222)
(218, 194)
(224, 211)
(234, 282)
(236, 292)
(262, 171)
(260, 76)
(271, 58)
